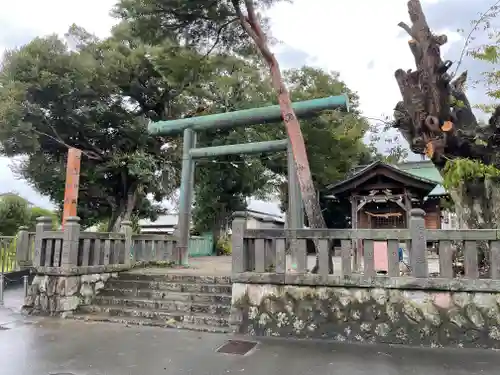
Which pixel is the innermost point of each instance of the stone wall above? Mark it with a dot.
(62, 295)
(369, 315)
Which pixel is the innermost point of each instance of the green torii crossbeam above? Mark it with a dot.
(248, 117)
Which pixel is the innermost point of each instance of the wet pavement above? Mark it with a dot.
(44, 346)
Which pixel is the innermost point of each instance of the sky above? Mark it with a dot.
(359, 39)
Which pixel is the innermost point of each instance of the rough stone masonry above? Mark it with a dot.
(369, 315)
(62, 295)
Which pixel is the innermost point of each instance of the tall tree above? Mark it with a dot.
(251, 23)
(436, 118)
(96, 96)
(210, 24)
(196, 23)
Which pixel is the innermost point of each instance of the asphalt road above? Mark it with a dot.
(55, 346)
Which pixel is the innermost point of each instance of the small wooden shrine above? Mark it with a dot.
(382, 195)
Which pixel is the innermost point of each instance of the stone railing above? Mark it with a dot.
(71, 266)
(265, 250)
(72, 252)
(154, 247)
(416, 307)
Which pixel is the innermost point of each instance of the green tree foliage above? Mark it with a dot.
(164, 60)
(334, 140)
(334, 143)
(92, 96)
(16, 212)
(98, 95)
(36, 212)
(222, 185)
(197, 23)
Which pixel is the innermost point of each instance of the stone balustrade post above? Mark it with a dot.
(43, 224)
(127, 230)
(71, 238)
(418, 251)
(23, 248)
(238, 253)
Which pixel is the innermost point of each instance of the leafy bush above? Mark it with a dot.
(223, 246)
(8, 255)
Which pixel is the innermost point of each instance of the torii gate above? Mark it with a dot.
(248, 117)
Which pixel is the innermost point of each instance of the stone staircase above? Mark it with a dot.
(199, 303)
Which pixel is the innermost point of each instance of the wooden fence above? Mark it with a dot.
(265, 251)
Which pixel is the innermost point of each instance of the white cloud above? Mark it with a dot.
(55, 16)
(347, 36)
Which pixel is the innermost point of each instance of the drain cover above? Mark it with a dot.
(237, 347)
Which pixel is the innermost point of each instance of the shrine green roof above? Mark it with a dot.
(425, 169)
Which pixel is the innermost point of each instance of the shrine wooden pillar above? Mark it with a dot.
(354, 225)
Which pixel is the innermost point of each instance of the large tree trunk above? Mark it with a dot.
(219, 228)
(477, 204)
(477, 207)
(251, 25)
(124, 212)
(436, 119)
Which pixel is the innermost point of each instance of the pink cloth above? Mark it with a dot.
(380, 255)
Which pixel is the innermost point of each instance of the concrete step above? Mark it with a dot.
(167, 296)
(165, 316)
(169, 286)
(174, 278)
(150, 322)
(165, 305)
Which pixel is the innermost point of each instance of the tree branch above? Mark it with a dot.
(90, 154)
(219, 32)
(251, 25)
(407, 28)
